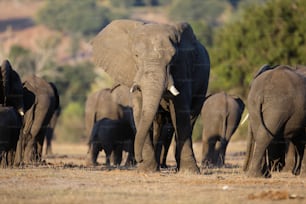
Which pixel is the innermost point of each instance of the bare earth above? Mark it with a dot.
(65, 179)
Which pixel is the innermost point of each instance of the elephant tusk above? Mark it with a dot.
(244, 119)
(21, 113)
(173, 90)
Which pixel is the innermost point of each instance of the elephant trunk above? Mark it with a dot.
(152, 90)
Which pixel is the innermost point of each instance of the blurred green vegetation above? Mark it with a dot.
(240, 36)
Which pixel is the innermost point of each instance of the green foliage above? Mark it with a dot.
(195, 10)
(130, 3)
(271, 33)
(74, 82)
(70, 126)
(203, 32)
(22, 60)
(85, 17)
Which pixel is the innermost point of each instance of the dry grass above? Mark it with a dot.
(64, 179)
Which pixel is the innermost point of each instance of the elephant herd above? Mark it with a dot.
(26, 109)
(165, 70)
(161, 74)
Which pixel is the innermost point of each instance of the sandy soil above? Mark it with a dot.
(65, 179)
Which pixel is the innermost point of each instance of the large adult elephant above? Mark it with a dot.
(277, 112)
(163, 64)
(221, 114)
(40, 102)
(110, 103)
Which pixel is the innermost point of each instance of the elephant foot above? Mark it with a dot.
(189, 167)
(207, 164)
(258, 174)
(163, 166)
(296, 172)
(147, 167)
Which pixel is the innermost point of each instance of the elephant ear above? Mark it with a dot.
(5, 80)
(187, 40)
(112, 53)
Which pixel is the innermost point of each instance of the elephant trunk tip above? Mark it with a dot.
(138, 158)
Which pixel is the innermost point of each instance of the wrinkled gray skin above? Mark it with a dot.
(221, 114)
(10, 124)
(112, 103)
(154, 60)
(111, 136)
(271, 93)
(40, 103)
(163, 131)
(50, 129)
(281, 153)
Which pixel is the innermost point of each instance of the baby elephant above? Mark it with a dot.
(221, 114)
(112, 136)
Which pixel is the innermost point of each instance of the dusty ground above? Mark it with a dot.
(64, 179)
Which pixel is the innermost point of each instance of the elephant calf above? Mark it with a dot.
(10, 124)
(110, 136)
(221, 114)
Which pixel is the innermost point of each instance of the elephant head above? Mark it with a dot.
(151, 59)
(11, 93)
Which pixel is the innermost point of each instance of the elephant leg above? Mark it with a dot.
(166, 150)
(208, 151)
(3, 156)
(149, 160)
(299, 153)
(19, 152)
(94, 153)
(49, 135)
(221, 150)
(263, 139)
(39, 144)
(290, 157)
(117, 155)
(184, 154)
(29, 150)
(157, 138)
(130, 161)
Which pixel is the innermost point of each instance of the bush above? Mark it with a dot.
(70, 126)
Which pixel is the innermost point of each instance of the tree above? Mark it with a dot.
(271, 33)
(85, 17)
(198, 10)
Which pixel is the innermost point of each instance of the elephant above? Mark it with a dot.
(221, 115)
(277, 112)
(10, 124)
(51, 126)
(162, 136)
(11, 91)
(164, 65)
(111, 136)
(40, 102)
(111, 103)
